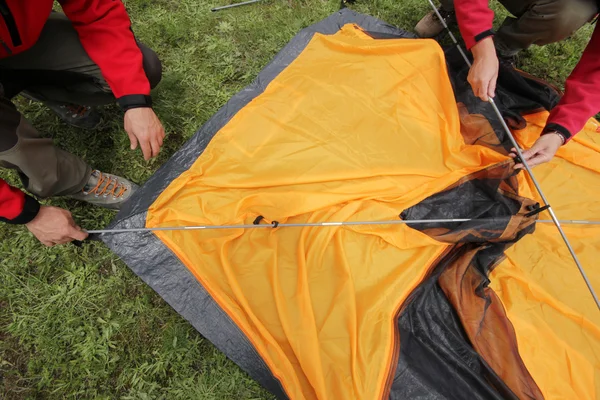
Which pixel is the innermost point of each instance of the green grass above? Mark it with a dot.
(76, 323)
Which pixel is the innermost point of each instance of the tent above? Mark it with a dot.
(356, 120)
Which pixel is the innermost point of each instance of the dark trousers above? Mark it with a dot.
(56, 69)
(539, 22)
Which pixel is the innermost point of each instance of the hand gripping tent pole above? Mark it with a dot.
(524, 162)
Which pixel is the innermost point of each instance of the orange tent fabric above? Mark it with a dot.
(360, 129)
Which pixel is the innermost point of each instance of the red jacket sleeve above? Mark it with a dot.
(475, 19)
(581, 100)
(105, 32)
(15, 206)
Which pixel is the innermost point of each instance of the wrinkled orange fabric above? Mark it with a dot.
(359, 129)
(555, 318)
(354, 129)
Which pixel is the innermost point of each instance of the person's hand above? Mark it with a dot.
(542, 150)
(54, 226)
(484, 71)
(144, 128)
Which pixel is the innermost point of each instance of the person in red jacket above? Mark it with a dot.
(73, 63)
(535, 22)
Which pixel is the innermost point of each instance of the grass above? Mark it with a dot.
(77, 323)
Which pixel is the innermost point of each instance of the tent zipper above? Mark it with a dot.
(11, 25)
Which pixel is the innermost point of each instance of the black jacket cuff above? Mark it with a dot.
(134, 101)
(31, 208)
(478, 38)
(552, 127)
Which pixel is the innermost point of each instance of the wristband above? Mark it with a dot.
(562, 138)
(559, 130)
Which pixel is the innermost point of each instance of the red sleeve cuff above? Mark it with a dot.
(134, 101)
(483, 35)
(471, 41)
(475, 20)
(30, 210)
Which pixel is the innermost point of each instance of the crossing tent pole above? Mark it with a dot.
(524, 162)
(312, 224)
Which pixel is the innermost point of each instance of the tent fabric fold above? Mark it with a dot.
(355, 120)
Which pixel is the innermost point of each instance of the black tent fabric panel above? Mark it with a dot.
(437, 357)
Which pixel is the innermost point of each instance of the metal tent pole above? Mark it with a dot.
(234, 5)
(525, 164)
(312, 224)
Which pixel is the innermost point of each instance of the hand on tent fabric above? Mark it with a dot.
(54, 225)
(144, 128)
(484, 71)
(542, 150)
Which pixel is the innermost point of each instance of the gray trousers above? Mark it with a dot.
(55, 69)
(539, 22)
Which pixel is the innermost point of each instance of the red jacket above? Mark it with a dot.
(581, 100)
(105, 32)
(15, 206)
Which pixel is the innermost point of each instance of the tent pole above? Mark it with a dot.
(524, 162)
(234, 5)
(314, 224)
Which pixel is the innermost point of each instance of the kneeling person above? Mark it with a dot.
(72, 62)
